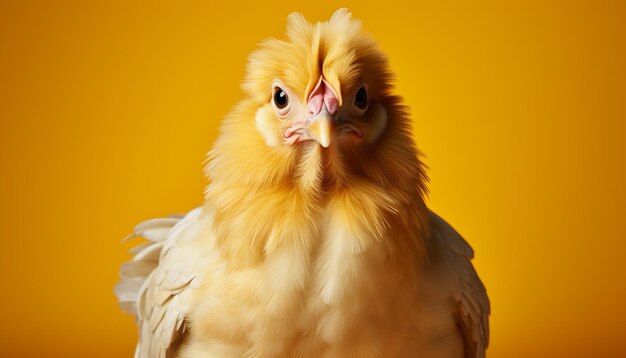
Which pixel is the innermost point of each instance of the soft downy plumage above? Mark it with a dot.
(314, 239)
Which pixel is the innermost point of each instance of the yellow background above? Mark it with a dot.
(108, 108)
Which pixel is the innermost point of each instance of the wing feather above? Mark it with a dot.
(156, 285)
(472, 302)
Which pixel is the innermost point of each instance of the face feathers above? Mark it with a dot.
(254, 169)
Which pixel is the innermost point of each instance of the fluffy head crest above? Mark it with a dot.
(338, 49)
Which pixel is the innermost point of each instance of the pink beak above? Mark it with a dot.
(321, 107)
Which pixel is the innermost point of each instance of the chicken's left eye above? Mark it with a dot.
(280, 98)
(360, 99)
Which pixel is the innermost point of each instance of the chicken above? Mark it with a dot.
(314, 239)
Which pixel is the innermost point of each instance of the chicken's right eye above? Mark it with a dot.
(360, 99)
(280, 98)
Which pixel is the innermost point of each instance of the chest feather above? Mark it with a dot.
(347, 282)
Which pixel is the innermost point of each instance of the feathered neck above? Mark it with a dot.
(264, 196)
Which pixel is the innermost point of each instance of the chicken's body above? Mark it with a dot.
(309, 250)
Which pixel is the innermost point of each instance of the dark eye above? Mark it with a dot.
(280, 98)
(360, 100)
